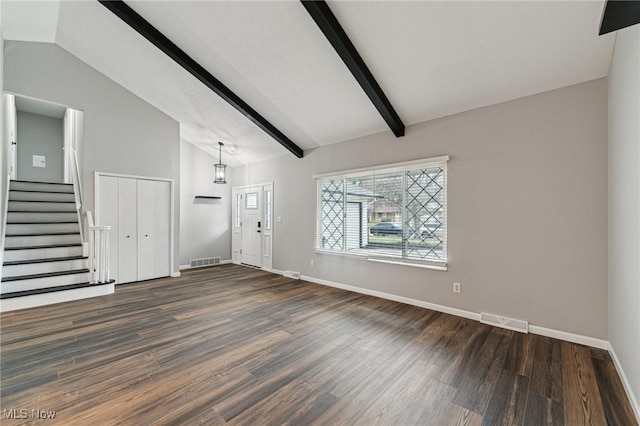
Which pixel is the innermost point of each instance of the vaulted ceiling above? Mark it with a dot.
(431, 58)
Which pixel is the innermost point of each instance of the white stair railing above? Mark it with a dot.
(98, 241)
(77, 190)
(99, 258)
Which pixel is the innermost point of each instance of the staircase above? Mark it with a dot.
(44, 257)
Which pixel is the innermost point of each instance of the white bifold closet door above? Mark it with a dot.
(127, 244)
(139, 212)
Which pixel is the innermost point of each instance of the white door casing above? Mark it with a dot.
(252, 244)
(73, 132)
(139, 210)
(10, 136)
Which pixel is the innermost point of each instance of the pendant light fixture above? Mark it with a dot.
(220, 170)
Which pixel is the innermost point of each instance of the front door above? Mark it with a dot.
(251, 224)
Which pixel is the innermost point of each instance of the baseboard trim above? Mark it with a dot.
(625, 382)
(175, 274)
(395, 298)
(562, 335)
(569, 337)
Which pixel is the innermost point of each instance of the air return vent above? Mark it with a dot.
(207, 261)
(292, 274)
(504, 322)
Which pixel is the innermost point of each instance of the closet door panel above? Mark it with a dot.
(162, 225)
(146, 229)
(108, 216)
(127, 230)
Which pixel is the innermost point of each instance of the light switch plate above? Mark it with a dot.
(39, 161)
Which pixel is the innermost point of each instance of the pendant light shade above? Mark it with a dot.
(220, 170)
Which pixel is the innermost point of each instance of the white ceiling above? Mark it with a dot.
(432, 58)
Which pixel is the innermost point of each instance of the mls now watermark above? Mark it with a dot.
(23, 413)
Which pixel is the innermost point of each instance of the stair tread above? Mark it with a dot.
(51, 289)
(42, 201)
(41, 223)
(47, 183)
(43, 192)
(41, 211)
(43, 247)
(42, 234)
(45, 260)
(45, 275)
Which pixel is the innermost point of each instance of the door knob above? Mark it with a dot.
(258, 231)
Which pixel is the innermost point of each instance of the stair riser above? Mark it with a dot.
(40, 196)
(46, 187)
(42, 217)
(16, 255)
(39, 268)
(27, 206)
(36, 283)
(55, 297)
(47, 228)
(41, 240)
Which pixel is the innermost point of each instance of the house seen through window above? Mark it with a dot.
(394, 213)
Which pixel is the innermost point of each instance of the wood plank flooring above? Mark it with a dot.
(235, 345)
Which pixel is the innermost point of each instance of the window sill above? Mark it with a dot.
(346, 255)
(443, 267)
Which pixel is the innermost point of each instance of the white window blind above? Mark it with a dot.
(397, 213)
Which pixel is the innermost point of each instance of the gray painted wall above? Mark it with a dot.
(123, 133)
(40, 135)
(205, 226)
(527, 209)
(4, 155)
(624, 205)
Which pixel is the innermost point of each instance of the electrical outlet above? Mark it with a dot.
(312, 262)
(456, 287)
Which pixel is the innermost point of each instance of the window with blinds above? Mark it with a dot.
(394, 213)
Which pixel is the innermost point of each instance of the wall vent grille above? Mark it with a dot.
(206, 261)
(504, 322)
(292, 274)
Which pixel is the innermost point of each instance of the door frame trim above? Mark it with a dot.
(266, 261)
(172, 219)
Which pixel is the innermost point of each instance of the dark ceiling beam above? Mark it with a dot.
(331, 28)
(148, 31)
(619, 14)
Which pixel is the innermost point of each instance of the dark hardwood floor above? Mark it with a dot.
(236, 345)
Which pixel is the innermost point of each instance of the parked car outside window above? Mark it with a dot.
(386, 228)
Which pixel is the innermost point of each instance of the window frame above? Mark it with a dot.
(404, 167)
